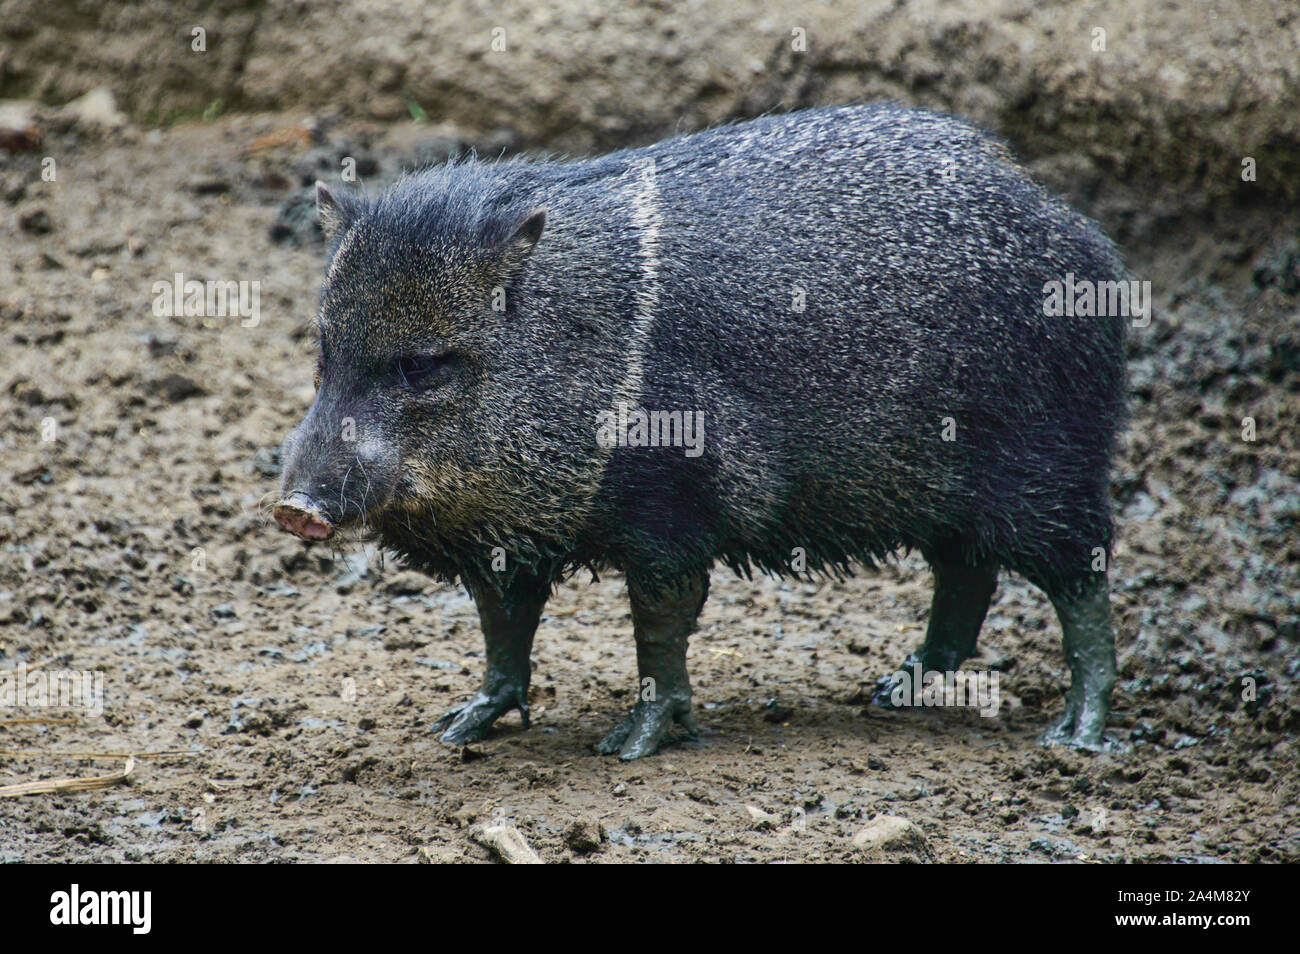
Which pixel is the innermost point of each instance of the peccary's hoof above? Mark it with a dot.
(470, 722)
(647, 727)
(1086, 736)
(883, 695)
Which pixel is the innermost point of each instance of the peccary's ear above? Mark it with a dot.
(529, 230)
(522, 234)
(337, 210)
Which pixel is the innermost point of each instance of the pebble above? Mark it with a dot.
(891, 833)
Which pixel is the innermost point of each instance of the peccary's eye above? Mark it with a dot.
(422, 370)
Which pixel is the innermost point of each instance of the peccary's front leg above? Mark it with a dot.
(662, 622)
(509, 620)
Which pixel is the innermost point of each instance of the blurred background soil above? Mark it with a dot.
(298, 684)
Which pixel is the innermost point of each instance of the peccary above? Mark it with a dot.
(847, 304)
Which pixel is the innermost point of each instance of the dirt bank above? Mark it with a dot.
(1173, 95)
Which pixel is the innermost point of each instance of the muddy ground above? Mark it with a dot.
(297, 686)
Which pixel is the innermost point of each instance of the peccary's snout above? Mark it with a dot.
(300, 509)
(339, 469)
(303, 517)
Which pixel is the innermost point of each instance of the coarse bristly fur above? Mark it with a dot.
(829, 288)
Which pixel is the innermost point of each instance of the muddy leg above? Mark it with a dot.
(662, 623)
(509, 621)
(961, 599)
(1089, 641)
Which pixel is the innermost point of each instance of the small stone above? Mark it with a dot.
(96, 108)
(18, 129)
(507, 844)
(194, 719)
(891, 833)
(760, 820)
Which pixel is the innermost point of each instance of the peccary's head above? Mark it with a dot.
(410, 419)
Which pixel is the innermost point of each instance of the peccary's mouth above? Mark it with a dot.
(303, 516)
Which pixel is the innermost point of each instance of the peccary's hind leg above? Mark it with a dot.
(509, 621)
(1089, 641)
(662, 621)
(962, 594)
